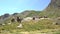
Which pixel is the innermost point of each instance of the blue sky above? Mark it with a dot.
(13, 6)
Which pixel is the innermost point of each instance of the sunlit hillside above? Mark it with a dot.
(50, 24)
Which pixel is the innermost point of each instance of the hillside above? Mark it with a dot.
(41, 26)
(53, 9)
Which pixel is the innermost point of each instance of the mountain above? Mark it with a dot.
(27, 13)
(54, 4)
(32, 13)
(53, 9)
(43, 26)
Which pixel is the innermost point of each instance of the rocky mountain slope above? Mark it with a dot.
(53, 9)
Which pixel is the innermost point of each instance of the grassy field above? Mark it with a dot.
(44, 26)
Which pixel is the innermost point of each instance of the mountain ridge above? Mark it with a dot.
(52, 11)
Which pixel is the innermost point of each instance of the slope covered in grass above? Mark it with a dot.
(30, 26)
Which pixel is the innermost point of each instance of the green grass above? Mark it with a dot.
(42, 26)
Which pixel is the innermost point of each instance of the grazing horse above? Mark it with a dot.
(33, 18)
(19, 19)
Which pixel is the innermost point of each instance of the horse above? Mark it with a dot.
(19, 19)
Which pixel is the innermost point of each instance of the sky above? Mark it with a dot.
(18, 6)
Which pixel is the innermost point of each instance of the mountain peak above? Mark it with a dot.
(54, 4)
(53, 9)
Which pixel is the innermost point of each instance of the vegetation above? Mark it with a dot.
(44, 26)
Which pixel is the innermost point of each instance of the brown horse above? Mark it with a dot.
(33, 18)
(19, 19)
